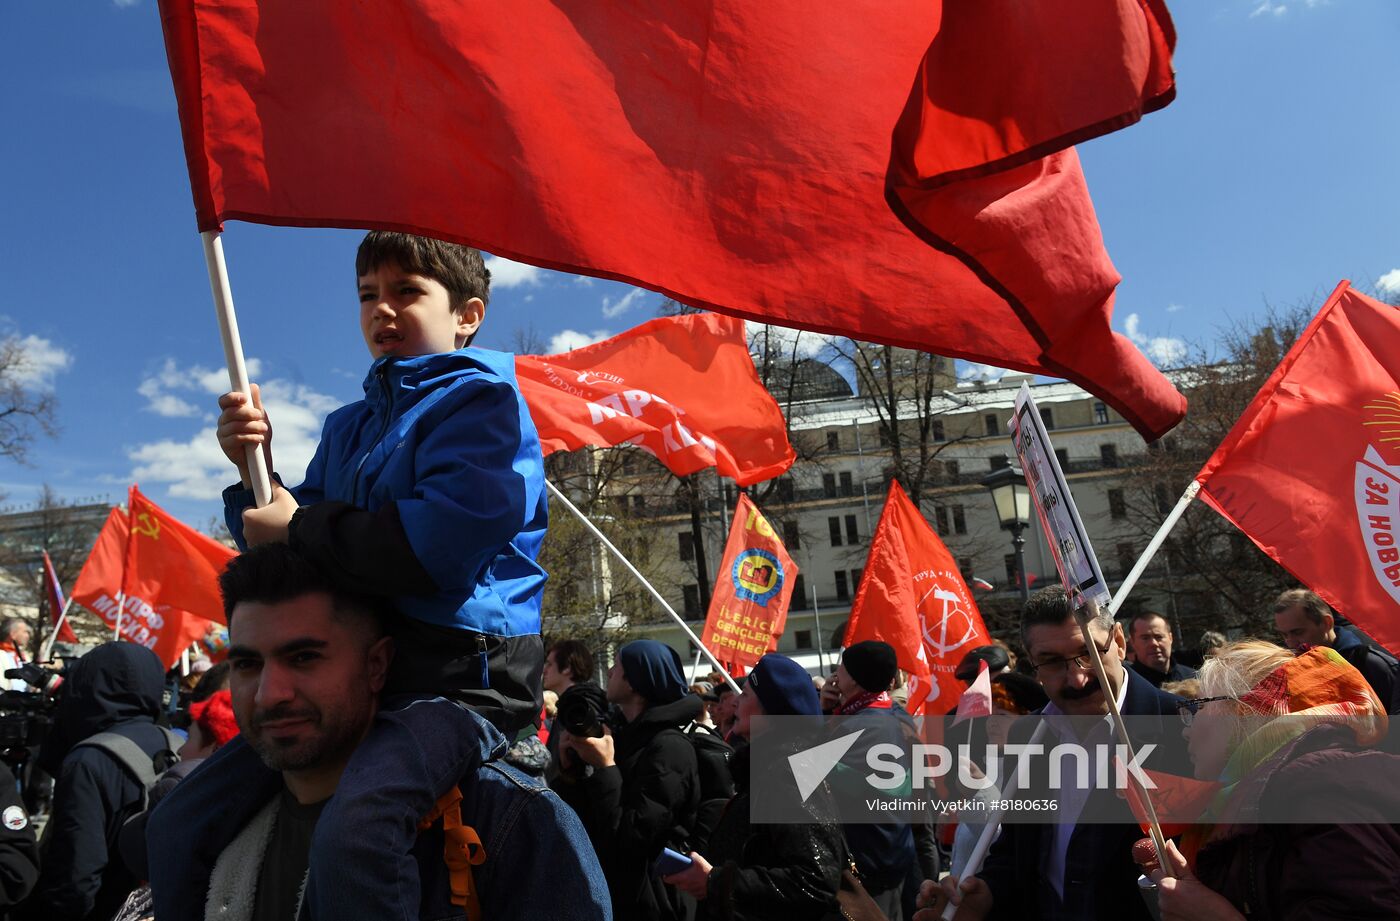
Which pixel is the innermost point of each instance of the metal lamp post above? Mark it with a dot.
(1012, 499)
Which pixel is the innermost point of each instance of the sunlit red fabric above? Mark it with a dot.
(1311, 471)
(683, 388)
(748, 608)
(913, 597)
(871, 169)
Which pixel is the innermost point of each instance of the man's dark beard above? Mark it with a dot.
(326, 743)
(1089, 690)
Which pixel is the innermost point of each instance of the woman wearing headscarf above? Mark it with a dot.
(750, 871)
(1299, 825)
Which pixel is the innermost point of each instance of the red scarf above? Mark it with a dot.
(865, 700)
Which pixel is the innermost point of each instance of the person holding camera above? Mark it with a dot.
(103, 748)
(643, 791)
(15, 634)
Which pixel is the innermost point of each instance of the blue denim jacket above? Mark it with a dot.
(539, 862)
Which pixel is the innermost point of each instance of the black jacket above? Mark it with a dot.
(1375, 665)
(19, 853)
(115, 688)
(786, 872)
(1177, 672)
(648, 801)
(1100, 876)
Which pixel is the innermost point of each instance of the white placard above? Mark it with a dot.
(1069, 542)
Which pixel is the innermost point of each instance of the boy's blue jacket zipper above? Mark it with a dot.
(447, 438)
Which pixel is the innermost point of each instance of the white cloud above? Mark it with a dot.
(583, 281)
(788, 342)
(508, 274)
(123, 4)
(1389, 283)
(1174, 308)
(573, 339)
(195, 468)
(36, 361)
(1266, 8)
(972, 371)
(1162, 350)
(616, 306)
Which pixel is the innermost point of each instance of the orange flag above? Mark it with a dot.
(912, 597)
(1311, 471)
(748, 609)
(683, 388)
(146, 620)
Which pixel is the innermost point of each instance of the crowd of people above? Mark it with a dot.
(389, 737)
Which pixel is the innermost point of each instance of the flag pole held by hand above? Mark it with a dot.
(233, 354)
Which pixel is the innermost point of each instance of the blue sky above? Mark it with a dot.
(1269, 179)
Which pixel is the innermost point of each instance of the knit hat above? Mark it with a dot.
(215, 718)
(654, 671)
(783, 687)
(872, 664)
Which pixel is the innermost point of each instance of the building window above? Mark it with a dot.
(833, 441)
(1126, 559)
(938, 430)
(852, 533)
(1100, 414)
(800, 600)
(1164, 498)
(1047, 416)
(855, 578)
(1108, 455)
(847, 487)
(639, 503)
(785, 493)
(691, 593)
(834, 526)
(829, 485)
(803, 639)
(1062, 455)
(1117, 505)
(965, 567)
(1011, 574)
(687, 546)
(884, 434)
(991, 423)
(843, 591)
(1000, 461)
(959, 520)
(951, 469)
(940, 516)
(790, 535)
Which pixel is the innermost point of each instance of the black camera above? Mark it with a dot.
(583, 710)
(43, 680)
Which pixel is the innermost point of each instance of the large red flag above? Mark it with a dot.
(169, 562)
(867, 169)
(1311, 471)
(912, 597)
(684, 388)
(748, 609)
(158, 626)
(53, 591)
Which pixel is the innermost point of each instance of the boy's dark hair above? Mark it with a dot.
(574, 657)
(1050, 606)
(273, 573)
(459, 269)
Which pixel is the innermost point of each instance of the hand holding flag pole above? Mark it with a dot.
(233, 354)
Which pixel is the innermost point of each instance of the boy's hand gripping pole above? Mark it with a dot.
(233, 354)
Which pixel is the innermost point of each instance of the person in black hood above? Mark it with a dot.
(644, 791)
(113, 690)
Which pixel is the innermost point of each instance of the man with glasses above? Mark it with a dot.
(1071, 869)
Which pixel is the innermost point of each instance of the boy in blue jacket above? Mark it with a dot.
(430, 491)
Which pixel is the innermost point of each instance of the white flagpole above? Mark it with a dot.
(121, 603)
(1152, 547)
(233, 353)
(53, 634)
(645, 584)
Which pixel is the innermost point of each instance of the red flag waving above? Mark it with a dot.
(169, 562)
(684, 388)
(53, 592)
(748, 609)
(1311, 471)
(734, 155)
(166, 630)
(912, 597)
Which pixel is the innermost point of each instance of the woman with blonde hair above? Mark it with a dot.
(1299, 826)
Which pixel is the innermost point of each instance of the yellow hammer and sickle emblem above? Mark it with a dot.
(148, 526)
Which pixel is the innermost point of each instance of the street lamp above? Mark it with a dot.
(1012, 499)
